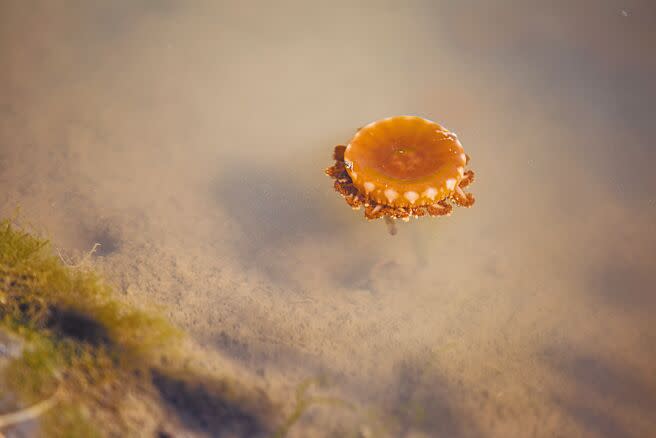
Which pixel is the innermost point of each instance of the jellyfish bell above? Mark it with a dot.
(403, 167)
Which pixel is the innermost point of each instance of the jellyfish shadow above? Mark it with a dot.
(274, 211)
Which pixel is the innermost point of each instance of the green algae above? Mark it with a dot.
(82, 344)
(86, 350)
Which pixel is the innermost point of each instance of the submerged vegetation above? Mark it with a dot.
(304, 402)
(77, 361)
(91, 365)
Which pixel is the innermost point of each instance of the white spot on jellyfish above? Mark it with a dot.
(430, 193)
(368, 187)
(461, 171)
(450, 183)
(463, 157)
(348, 147)
(391, 194)
(348, 164)
(411, 196)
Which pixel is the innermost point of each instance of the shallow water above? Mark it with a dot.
(190, 141)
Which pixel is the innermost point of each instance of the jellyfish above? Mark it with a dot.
(402, 167)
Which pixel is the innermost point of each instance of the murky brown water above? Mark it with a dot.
(189, 138)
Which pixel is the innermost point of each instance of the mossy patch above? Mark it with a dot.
(95, 355)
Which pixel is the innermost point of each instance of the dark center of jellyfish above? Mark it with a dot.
(406, 161)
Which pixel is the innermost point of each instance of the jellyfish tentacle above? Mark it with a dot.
(439, 209)
(391, 225)
(340, 188)
(419, 211)
(467, 179)
(338, 153)
(461, 198)
(354, 201)
(337, 171)
(373, 211)
(402, 213)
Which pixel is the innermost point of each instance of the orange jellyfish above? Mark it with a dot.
(402, 167)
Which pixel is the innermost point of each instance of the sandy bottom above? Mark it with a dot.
(190, 141)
